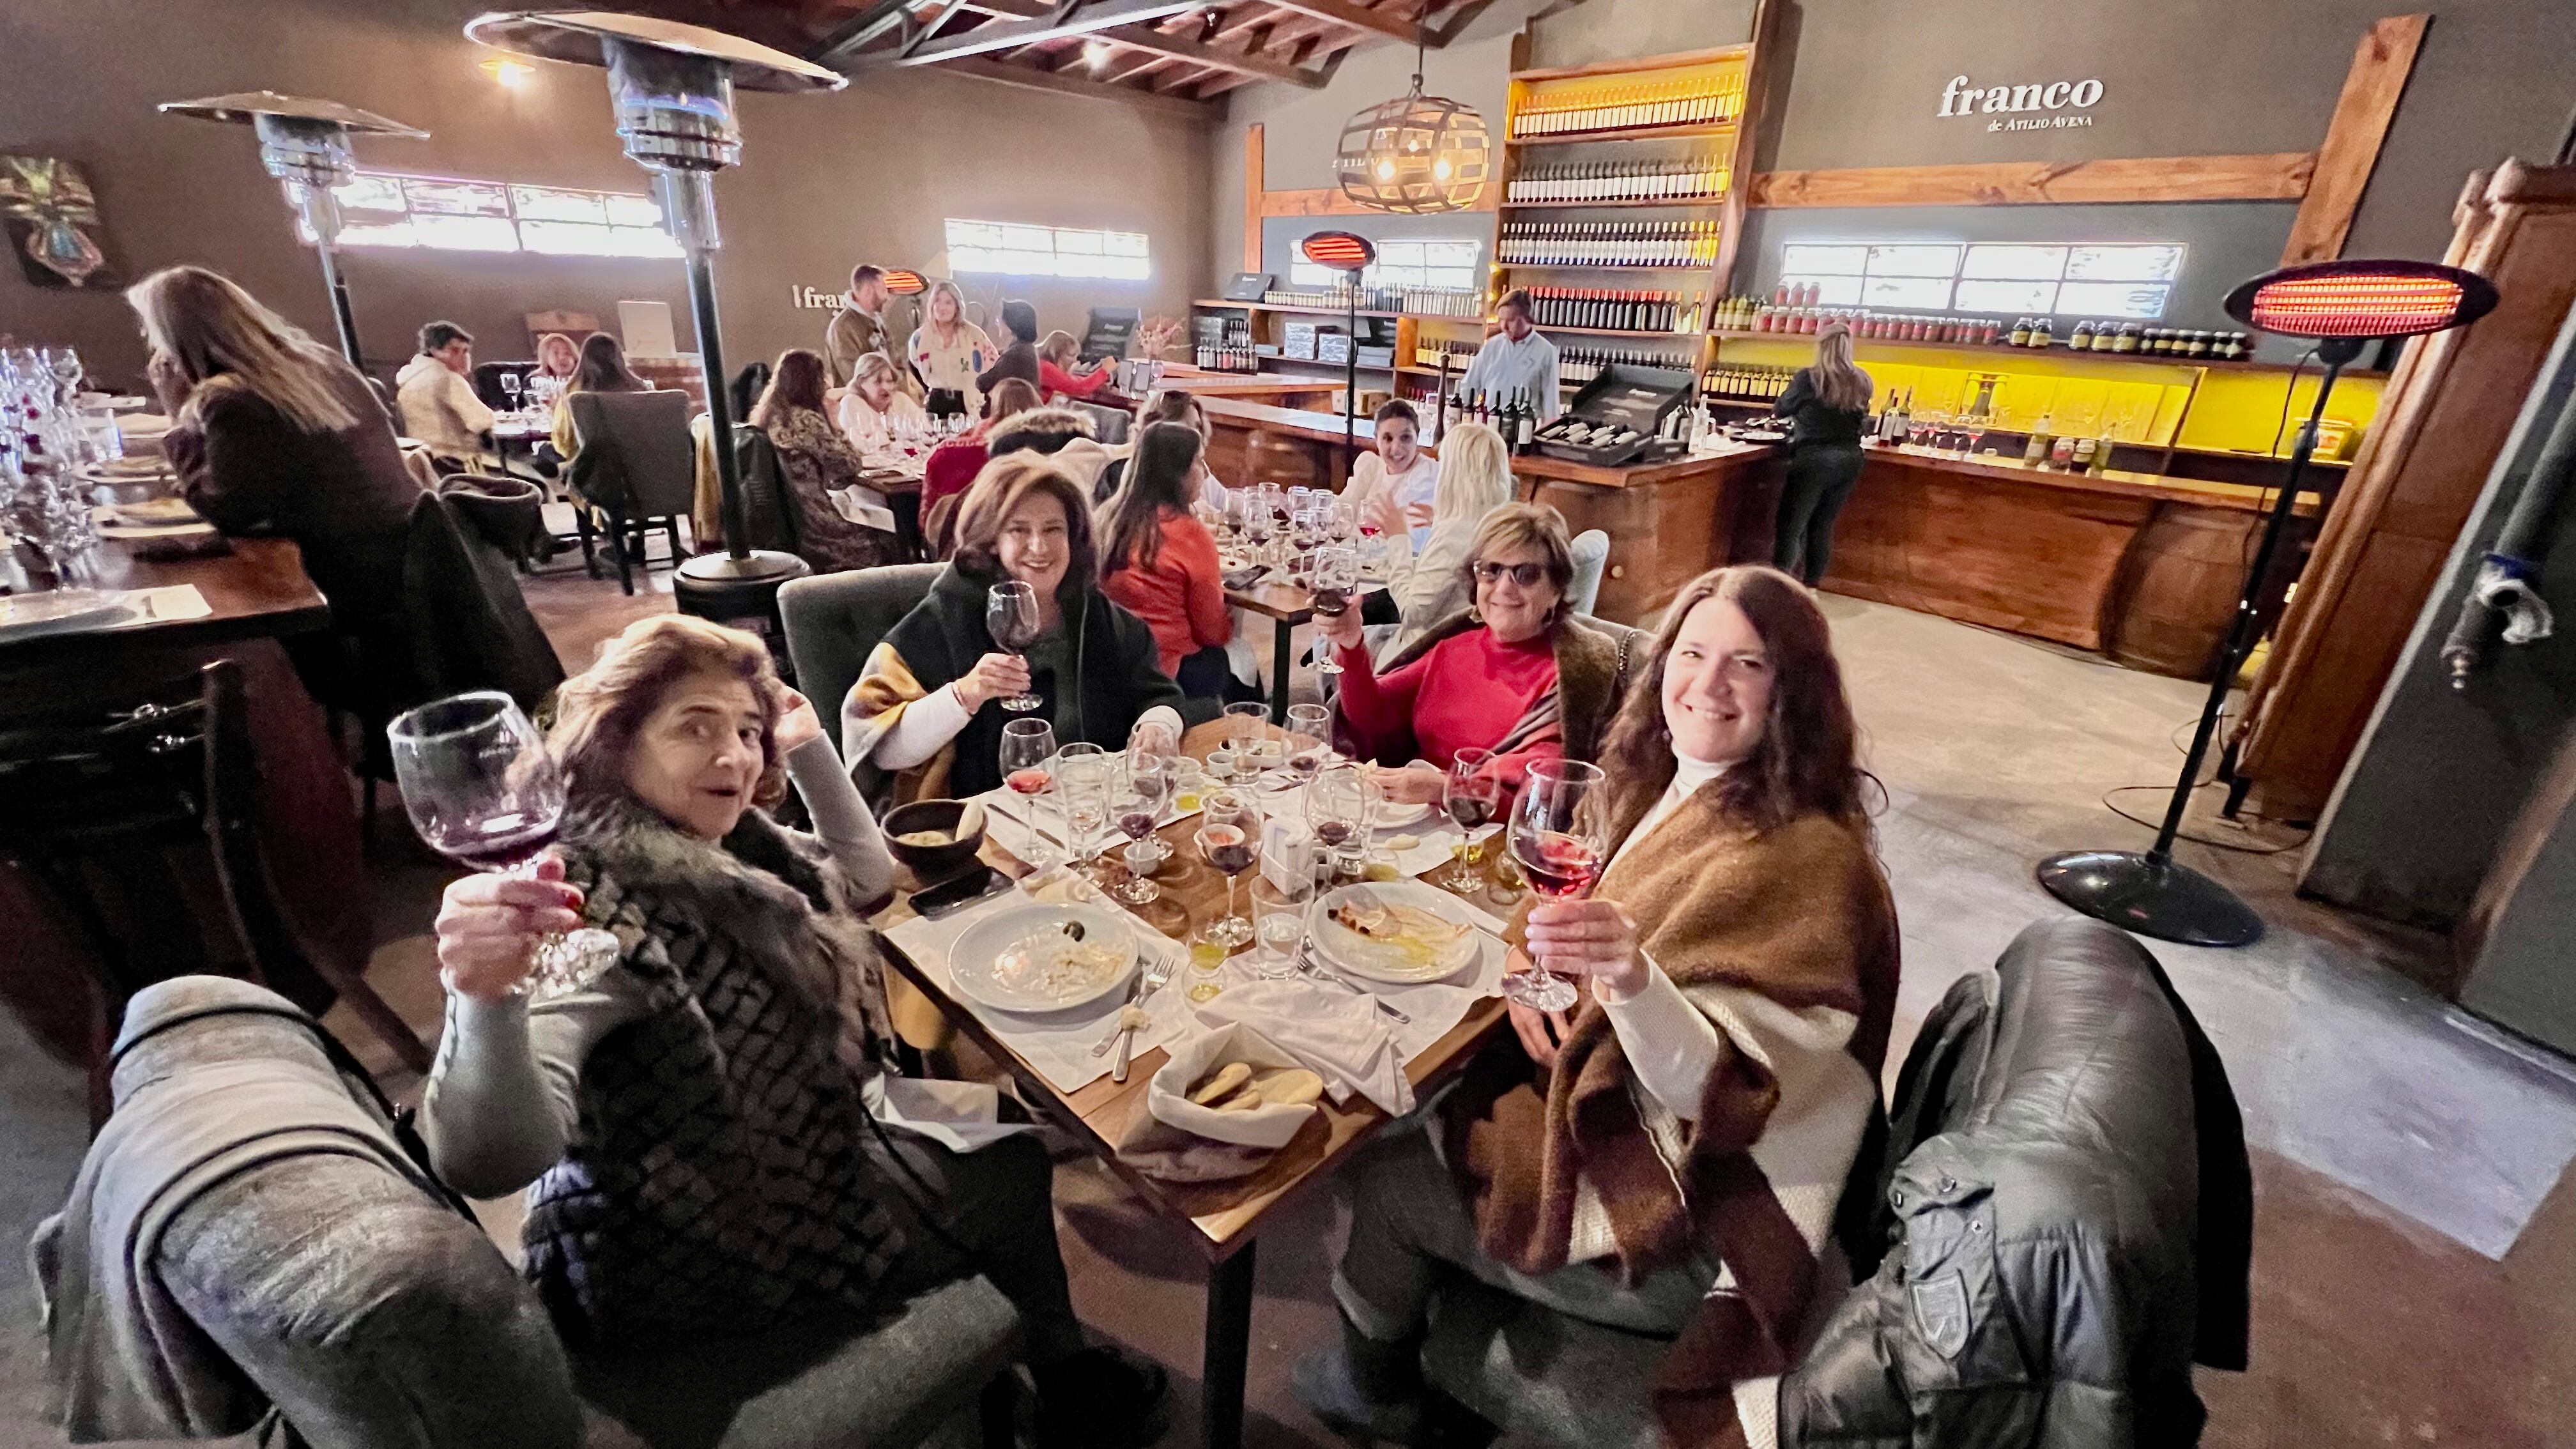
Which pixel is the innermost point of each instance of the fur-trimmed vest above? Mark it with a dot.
(715, 1181)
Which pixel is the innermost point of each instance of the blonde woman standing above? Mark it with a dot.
(947, 351)
(1825, 402)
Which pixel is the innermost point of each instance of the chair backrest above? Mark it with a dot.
(470, 627)
(368, 1310)
(1109, 426)
(486, 380)
(768, 504)
(1591, 557)
(636, 459)
(834, 621)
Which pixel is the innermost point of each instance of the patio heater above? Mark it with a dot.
(672, 86)
(1350, 254)
(304, 143)
(2341, 305)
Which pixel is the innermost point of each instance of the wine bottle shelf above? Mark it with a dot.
(1607, 266)
(1717, 199)
(1625, 133)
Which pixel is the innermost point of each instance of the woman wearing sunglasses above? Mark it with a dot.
(1510, 673)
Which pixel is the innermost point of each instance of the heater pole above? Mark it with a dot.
(1351, 385)
(2240, 635)
(341, 312)
(702, 307)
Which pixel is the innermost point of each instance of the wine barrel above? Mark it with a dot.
(2178, 589)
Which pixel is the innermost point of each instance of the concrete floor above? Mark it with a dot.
(2415, 1238)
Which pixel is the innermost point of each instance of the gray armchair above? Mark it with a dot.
(637, 466)
(1591, 557)
(834, 621)
(373, 1315)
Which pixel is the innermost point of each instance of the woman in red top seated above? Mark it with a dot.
(1513, 673)
(1057, 357)
(1160, 562)
(953, 464)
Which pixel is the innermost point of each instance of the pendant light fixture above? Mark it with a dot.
(1417, 155)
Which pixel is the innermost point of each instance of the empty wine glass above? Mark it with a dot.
(510, 385)
(1227, 823)
(1557, 840)
(1337, 581)
(1011, 617)
(1246, 724)
(1082, 790)
(1028, 768)
(1470, 795)
(1310, 740)
(482, 791)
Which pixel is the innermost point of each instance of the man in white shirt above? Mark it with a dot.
(437, 401)
(1515, 360)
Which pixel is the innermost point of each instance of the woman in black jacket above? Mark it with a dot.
(1020, 355)
(927, 710)
(1825, 402)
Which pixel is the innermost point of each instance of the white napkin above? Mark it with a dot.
(1435, 837)
(850, 506)
(961, 1116)
(1337, 1034)
(164, 605)
(1058, 1044)
(1439, 1005)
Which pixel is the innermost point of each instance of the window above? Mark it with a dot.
(2126, 281)
(1020, 250)
(386, 210)
(1445, 265)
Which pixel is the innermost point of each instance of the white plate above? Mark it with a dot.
(1391, 816)
(1343, 950)
(59, 611)
(970, 961)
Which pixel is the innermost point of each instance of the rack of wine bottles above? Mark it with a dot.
(1578, 365)
(1697, 101)
(1427, 352)
(1612, 311)
(1229, 351)
(1421, 301)
(1700, 178)
(1737, 382)
(1610, 243)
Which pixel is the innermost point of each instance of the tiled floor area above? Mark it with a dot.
(2415, 1250)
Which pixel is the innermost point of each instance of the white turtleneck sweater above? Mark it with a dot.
(1671, 1045)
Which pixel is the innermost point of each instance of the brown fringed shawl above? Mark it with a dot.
(1787, 940)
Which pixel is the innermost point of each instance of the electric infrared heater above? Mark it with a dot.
(2340, 306)
(1350, 254)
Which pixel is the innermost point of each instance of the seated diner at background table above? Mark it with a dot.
(874, 406)
(946, 351)
(1826, 402)
(1169, 405)
(1060, 434)
(1426, 584)
(435, 393)
(1159, 561)
(272, 433)
(696, 1124)
(1740, 953)
(1060, 372)
(818, 461)
(925, 718)
(1019, 349)
(603, 369)
(953, 464)
(1398, 470)
(558, 357)
(1511, 673)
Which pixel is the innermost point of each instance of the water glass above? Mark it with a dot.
(1280, 898)
(1083, 774)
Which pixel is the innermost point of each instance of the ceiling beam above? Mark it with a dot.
(1358, 17)
(1059, 83)
(1259, 67)
(1058, 23)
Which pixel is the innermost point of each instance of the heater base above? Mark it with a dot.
(2151, 895)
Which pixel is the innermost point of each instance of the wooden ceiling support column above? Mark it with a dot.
(2371, 89)
(1252, 194)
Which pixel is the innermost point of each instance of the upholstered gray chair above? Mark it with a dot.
(834, 621)
(2067, 1079)
(637, 466)
(1591, 557)
(375, 1316)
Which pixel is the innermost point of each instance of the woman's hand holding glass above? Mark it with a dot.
(995, 676)
(490, 927)
(1590, 937)
(1341, 630)
(1419, 783)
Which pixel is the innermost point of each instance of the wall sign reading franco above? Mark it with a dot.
(2065, 99)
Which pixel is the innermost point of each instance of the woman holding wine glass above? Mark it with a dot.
(1016, 616)
(1512, 674)
(1737, 962)
(695, 1113)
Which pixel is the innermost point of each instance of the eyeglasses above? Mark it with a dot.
(1526, 575)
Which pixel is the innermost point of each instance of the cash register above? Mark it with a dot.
(1625, 416)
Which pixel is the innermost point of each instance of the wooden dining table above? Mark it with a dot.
(1286, 606)
(1221, 1220)
(255, 588)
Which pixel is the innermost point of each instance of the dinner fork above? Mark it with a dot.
(1155, 976)
(1306, 967)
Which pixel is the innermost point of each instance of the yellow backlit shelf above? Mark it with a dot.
(1625, 133)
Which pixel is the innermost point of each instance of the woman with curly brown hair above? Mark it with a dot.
(1668, 1158)
(708, 1183)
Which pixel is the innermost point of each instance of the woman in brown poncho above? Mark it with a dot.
(1668, 1158)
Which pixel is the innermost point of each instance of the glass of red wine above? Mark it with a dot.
(1136, 806)
(1337, 582)
(1310, 740)
(1471, 796)
(1557, 841)
(1228, 838)
(1338, 806)
(1011, 617)
(482, 791)
(1028, 769)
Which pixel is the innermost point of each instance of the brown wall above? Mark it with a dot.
(864, 174)
(1864, 79)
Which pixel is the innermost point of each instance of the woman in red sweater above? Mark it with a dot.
(1512, 674)
(1159, 562)
(1057, 358)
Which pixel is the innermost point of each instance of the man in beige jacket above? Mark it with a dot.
(859, 328)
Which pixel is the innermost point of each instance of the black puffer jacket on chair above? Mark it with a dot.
(2067, 1223)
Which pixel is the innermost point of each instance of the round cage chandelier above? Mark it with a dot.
(1415, 156)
